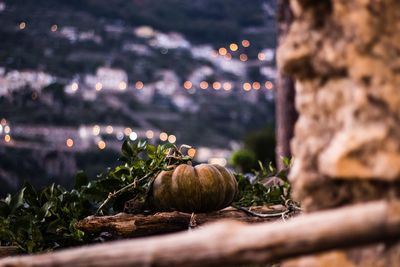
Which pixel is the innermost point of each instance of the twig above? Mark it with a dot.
(124, 189)
(261, 215)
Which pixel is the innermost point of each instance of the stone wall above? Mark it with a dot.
(345, 57)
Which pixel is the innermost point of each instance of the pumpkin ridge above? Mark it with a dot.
(221, 202)
(210, 187)
(231, 186)
(187, 188)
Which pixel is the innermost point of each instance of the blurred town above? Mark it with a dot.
(78, 77)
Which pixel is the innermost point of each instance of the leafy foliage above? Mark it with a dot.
(45, 220)
(243, 159)
(268, 186)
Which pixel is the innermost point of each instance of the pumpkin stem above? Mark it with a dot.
(176, 156)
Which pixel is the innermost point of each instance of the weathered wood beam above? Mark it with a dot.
(234, 243)
(134, 225)
(8, 251)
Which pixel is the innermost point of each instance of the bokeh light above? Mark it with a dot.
(139, 85)
(261, 56)
(122, 86)
(233, 47)
(101, 145)
(187, 85)
(247, 86)
(69, 142)
(256, 85)
(127, 131)
(133, 136)
(109, 129)
(22, 25)
(243, 57)
(163, 136)
(269, 85)
(222, 51)
(245, 43)
(98, 86)
(96, 130)
(191, 152)
(74, 86)
(227, 86)
(7, 138)
(204, 85)
(216, 85)
(172, 139)
(149, 134)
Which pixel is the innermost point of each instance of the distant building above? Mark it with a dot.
(139, 49)
(73, 35)
(146, 94)
(269, 54)
(168, 84)
(200, 74)
(114, 29)
(202, 51)
(144, 32)
(171, 40)
(185, 103)
(89, 36)
(269, 72)
(233, 66)
(70, 33)
(108, 79)
(14, 80)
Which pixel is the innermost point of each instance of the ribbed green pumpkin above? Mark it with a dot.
(203, 188)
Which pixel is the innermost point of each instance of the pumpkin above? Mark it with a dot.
(203, 188)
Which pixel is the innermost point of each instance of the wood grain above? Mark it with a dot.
(232, 243)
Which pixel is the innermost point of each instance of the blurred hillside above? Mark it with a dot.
(77, 77)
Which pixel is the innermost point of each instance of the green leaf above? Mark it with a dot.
(30, 195)
(151, 151)
(55, 226)
(126, 149)
(81, 179)
(17, 201)
(4, 209)
(46, 208)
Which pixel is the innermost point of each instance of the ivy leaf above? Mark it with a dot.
(17, 201)
(127, 150)
(30, 195)
(46, 209)
(151, 151)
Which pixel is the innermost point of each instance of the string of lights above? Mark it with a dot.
(188, 85)
(225, 52)
(97, 132)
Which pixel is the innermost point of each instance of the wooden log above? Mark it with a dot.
(6, 251)
(234, 243)
(134, 225)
